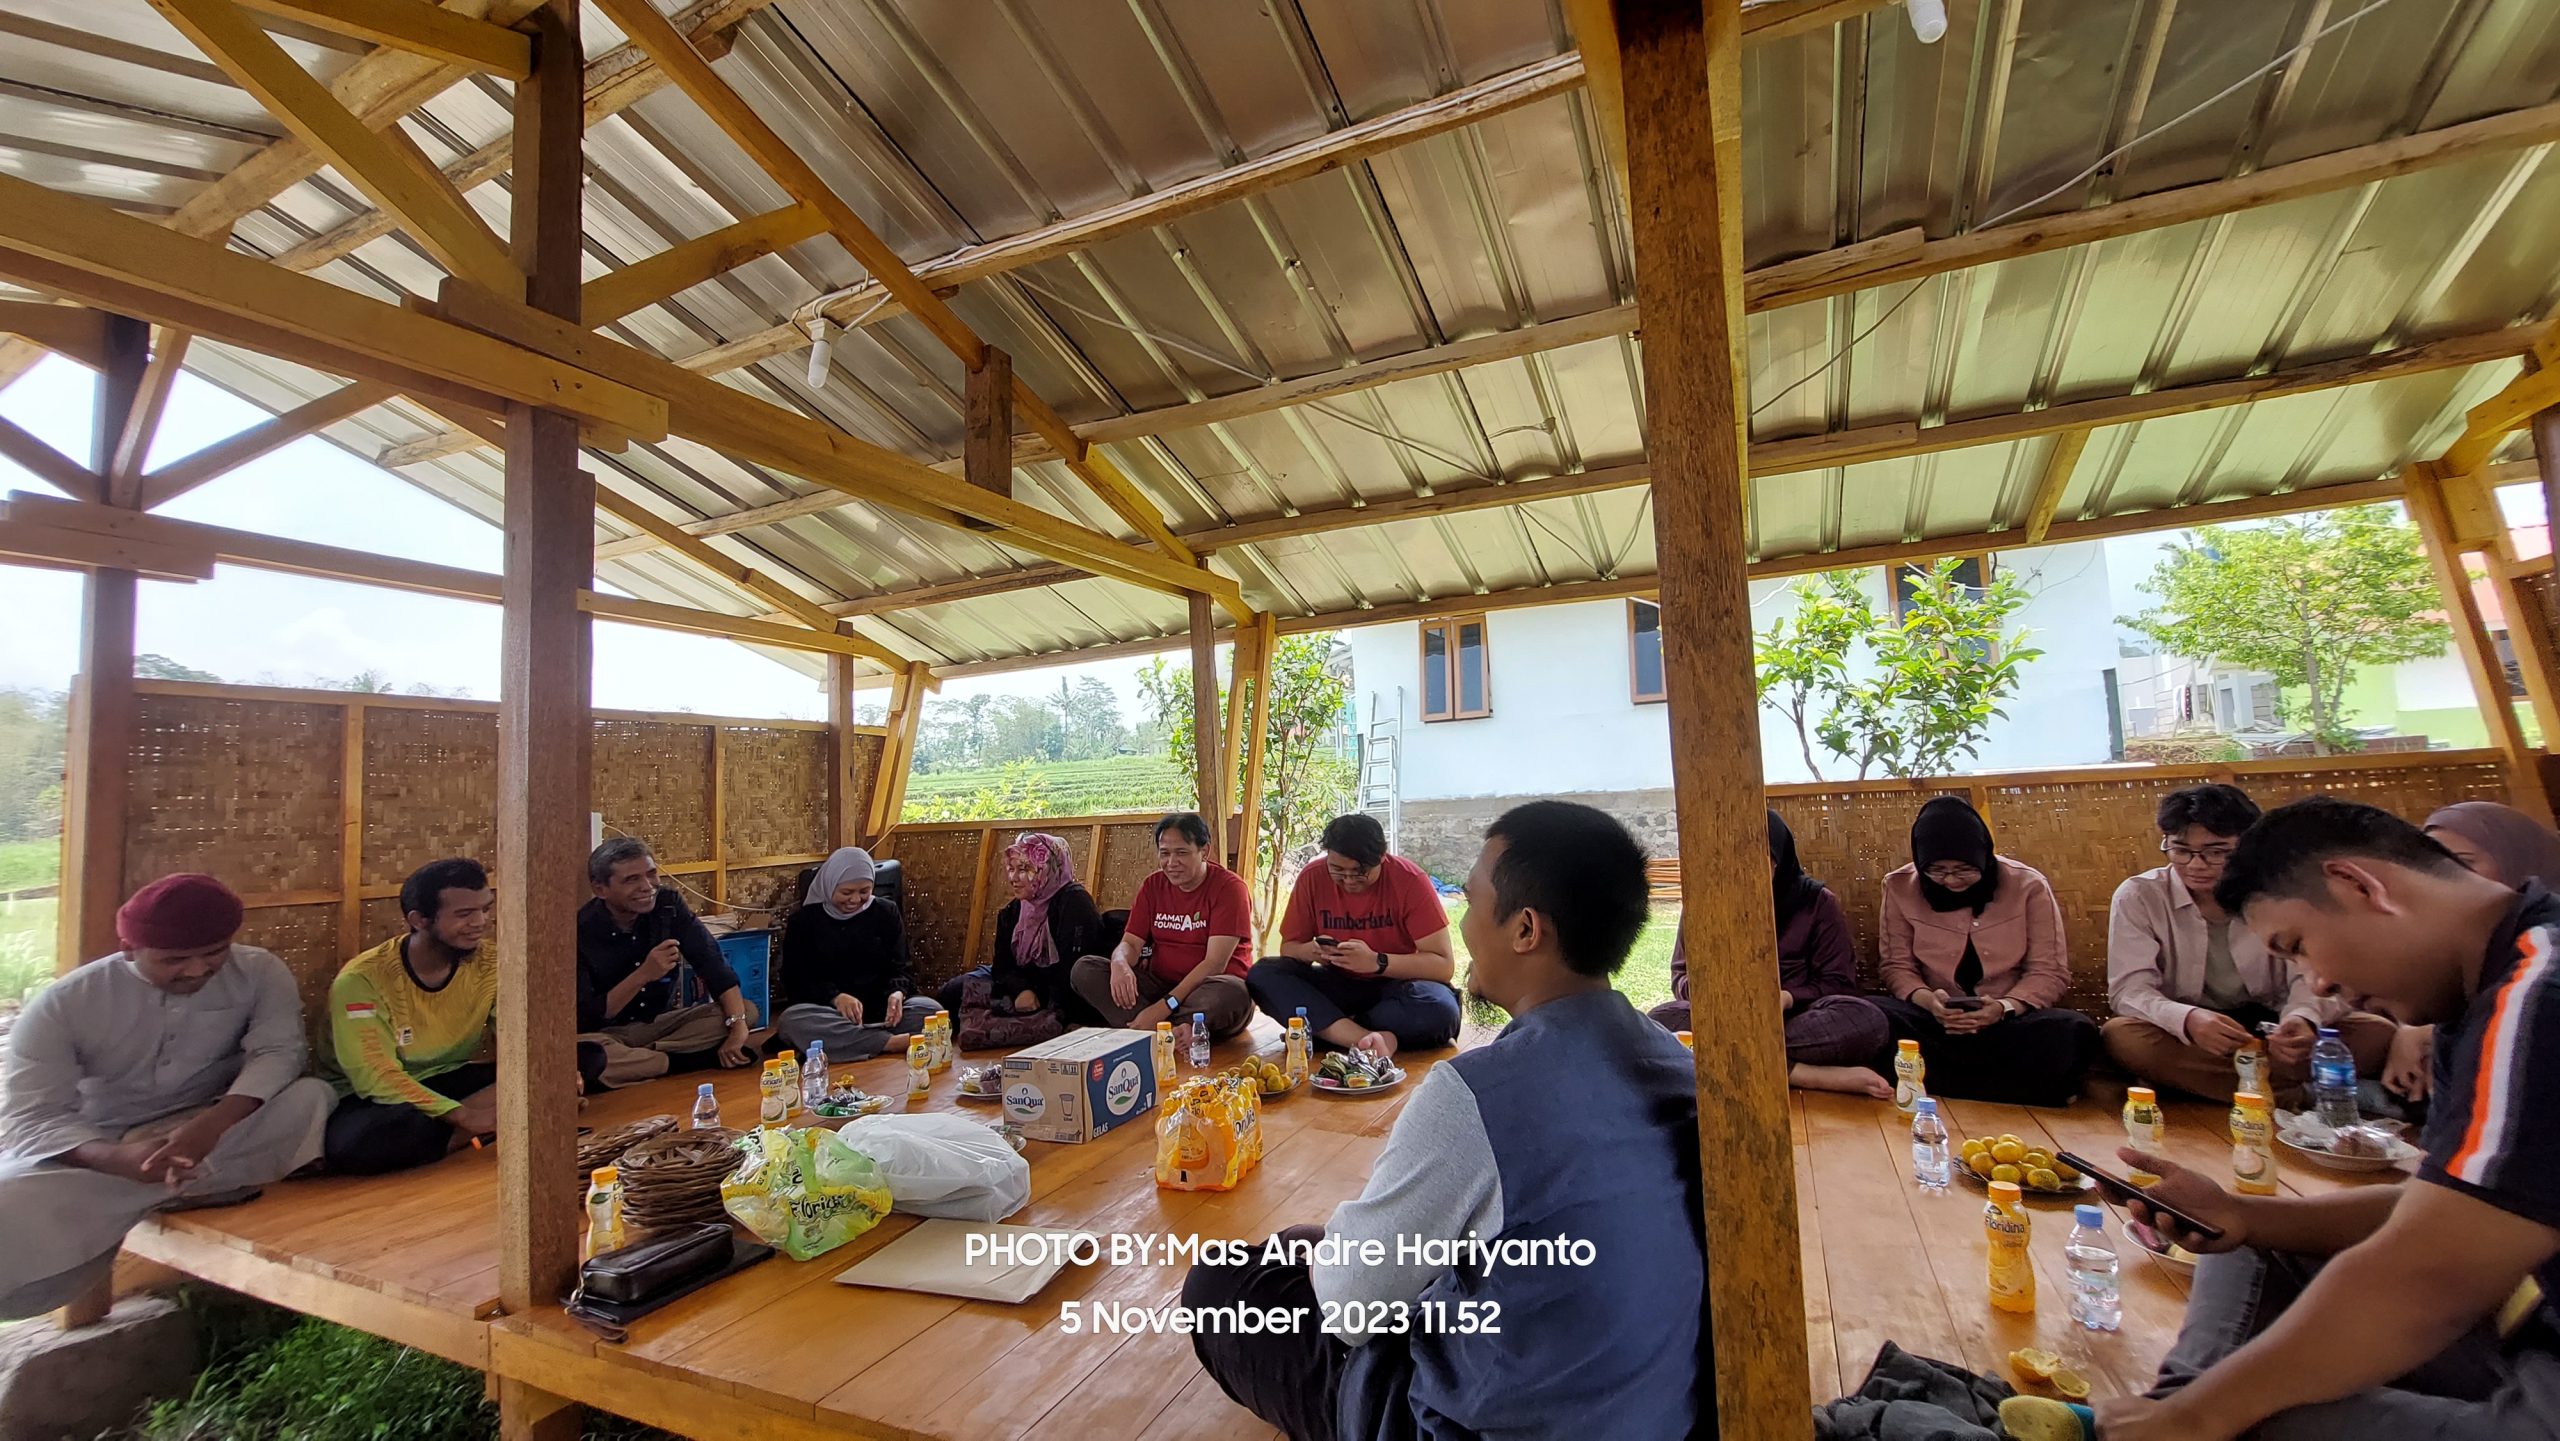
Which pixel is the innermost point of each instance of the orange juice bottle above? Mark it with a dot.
(1909, 1074)
(2145, 1127)
(2253, 1156)
(919, 1069)
(2012, 1274)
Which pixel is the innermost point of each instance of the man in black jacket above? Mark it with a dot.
(631, 938)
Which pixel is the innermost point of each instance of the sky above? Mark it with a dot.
(260, 627)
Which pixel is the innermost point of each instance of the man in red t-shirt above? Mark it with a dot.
(1180, 953)
(1364, 949)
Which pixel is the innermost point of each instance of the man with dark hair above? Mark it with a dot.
(1184, 950)
(165, 1076)
(407, 1021)
(1576, 1127)
(1364, 949)
(2385, 1312)
(2190, 988)
(631, 938)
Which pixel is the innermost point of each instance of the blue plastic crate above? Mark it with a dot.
(750, 954)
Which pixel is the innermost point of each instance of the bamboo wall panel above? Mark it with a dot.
(379, 919)
(2080, 833)
(763, 896)
(2411, 791)
(865, 768)
(244, 789)
(430, 790)
(1128, 854)
(306, 939)
(775, 791)
(940, 871)
(652, 779)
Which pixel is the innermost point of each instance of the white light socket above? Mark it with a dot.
(1928, 19)
(822, 351)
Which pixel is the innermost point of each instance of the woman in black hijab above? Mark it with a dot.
(1974, 968)
(1835, 1037)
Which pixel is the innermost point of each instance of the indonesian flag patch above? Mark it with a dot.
(359, 1010)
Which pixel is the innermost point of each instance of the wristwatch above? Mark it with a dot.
(1173, 1005)
(1382, 963)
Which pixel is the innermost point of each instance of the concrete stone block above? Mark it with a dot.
(58, 1385)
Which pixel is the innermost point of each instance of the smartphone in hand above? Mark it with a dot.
(2120, 1190)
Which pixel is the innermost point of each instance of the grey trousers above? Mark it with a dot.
(67, 1221)
(2478, 1390)
(844, 1040)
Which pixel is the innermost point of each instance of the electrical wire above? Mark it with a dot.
(705, 897)
(2102, 162)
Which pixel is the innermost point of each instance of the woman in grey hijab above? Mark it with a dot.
(845, 975)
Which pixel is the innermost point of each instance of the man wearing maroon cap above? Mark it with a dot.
(165, 1076)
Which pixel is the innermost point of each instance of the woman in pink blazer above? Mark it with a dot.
(1974, 970)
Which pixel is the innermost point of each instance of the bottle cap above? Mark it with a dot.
(2093, 1217)
(2005, 1192)
(2143, 1094)
(1925, 1106)
(1908, 1046)
(1302, 1013)
(605, 1175)
(703, 1090)
(2328, 1033)
(788, 1057)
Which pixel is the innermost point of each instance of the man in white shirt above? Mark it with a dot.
(164, 1076)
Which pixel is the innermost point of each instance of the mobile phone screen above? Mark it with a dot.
(2120, 1189)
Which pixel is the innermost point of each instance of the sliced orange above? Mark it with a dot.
(2034, 1364)
(2070, 1385)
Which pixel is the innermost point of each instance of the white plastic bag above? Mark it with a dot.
(939, 1164)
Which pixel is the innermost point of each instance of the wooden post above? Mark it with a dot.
(987, 451)
(844, 807)
(1266, 640)
(351, 831)
(2424, 492)
(2546, 458)
(2528, 634)
(544, 734)
(99, 744)
(1231, 736)
(1208, 762)
(897, 758)
(1677, 64)
(719, 816)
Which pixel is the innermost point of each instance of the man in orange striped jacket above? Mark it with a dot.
(2369, 1312)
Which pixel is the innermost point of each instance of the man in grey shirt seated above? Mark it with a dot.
(1528, 1257)
(168, 1074)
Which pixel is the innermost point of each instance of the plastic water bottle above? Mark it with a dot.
(1199, 1040)
(813, 1078)
(2092, 1259)
(1930, 1164)
(706, 1108)
(2333, 1080)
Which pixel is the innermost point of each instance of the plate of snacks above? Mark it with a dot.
(2006, 1157)
(982, 1083)
(1357, 1073)
(2160, 1248)
(2366, 1147)
(845, 1102)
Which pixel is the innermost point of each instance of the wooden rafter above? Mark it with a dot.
(46, 463)
(72, 330)
(745, 577)
(2423, 493)
(2056, 478)
(390, 172)
(679, 268)
(2485, 426)
(133, 439)
(732, 627)
(425, 29)
(694, 75)
(229, 454)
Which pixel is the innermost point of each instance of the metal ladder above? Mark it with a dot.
(1381, 762)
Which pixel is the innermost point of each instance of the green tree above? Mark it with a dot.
(1804, 658)
(2307, 600)
(151, 665)
(1306, 778)
(1089, 723)
(32, 730)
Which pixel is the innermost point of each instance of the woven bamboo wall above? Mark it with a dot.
(264, 788)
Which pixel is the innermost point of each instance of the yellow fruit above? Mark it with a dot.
(2033, 1364)
(2043, 1179)
(2012, 1138)
(2008, 1152)
(2069, 1384)
(2063, 1171)
(2008, 1173)
(1980, 1162)
(2038, 1160)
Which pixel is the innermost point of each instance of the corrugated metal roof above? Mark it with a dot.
(947, 126)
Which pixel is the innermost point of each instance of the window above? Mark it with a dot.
(1973, 572)
(1644, 650)
(1456, 679)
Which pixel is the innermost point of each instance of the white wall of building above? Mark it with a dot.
(1563, 720)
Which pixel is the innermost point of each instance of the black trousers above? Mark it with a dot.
(1421, 1015)
(2036, 1059)
(369, 1138)
(1293, 1381)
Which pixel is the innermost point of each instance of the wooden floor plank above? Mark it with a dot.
(1822, 1353)
(1882, 1285)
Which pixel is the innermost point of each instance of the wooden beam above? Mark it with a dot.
(679, 268)
(1266, 644)
(388, 174)
(1681, 65)
(2546, 461)
(76, 331)
(48, 464)
(2486, 425)
(120, 386)
(808, 613)
(844, 805)
(986, 449)
(2423, 493)
(2058, 465)
(73, 533)
(1208, 766)
(1231, 730)
(2529, 633)
(898, 754)
(123, 469)
(732, 627)
(81, 247)
(267, 436)
(445, 36)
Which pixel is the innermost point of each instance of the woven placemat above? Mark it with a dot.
(606, 1147)
(673, 1180)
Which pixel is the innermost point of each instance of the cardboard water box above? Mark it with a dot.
(1081, 1084)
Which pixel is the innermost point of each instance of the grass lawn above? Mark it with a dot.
(26, 946)
(1645, 979)
(24, 865)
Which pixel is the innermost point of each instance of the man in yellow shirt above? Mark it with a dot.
(409, 1021)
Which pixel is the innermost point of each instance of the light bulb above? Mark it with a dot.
(822, 351)
(1928, 19)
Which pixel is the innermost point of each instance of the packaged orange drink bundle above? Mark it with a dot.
(1246, 1099)
(1196, 1142)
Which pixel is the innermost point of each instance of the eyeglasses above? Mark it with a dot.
(2184, 855)
(1948, 873)
(1346, 875)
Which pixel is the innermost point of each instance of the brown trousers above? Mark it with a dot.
(2173, 1062)
(641, 1051)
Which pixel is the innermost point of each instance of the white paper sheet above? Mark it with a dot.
(933, 1258)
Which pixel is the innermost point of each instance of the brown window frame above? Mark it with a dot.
(1635, 687)
(1449, 628)
(1893, 575)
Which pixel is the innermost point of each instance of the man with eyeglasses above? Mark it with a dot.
(1364, 949)
(2190, 987)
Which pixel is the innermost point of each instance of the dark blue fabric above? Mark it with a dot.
(1592, 1113)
